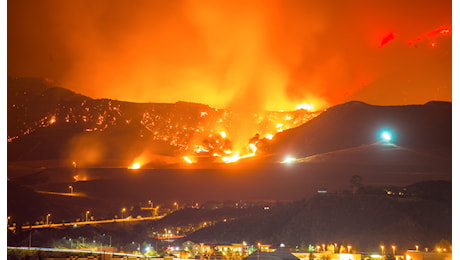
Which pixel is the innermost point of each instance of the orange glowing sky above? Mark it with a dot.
(258, 54)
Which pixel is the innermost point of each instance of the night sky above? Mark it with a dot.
(262, 54)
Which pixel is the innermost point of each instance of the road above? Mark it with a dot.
(71, 251)
(92, 222)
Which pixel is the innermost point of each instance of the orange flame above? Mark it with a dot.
(135, 165)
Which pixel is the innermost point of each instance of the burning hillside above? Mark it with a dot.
(89, 128)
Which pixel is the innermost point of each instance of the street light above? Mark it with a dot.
(416, 248)
(394, 249)
(151, 204)
(86, 216)
(47, 218)
(383, 249)
(349, 248)
(258, 251)
(177, 205)
(71, 189)
(123, 210)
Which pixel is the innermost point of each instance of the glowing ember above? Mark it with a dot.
(135, 166)
(386, 39)
(80, 178)
(269, 136)
(223, 134)
(52, 120)
(431, 35)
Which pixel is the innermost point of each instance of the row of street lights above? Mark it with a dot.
(47, 217)
(87, 213)
(335, 247)
(393, 248)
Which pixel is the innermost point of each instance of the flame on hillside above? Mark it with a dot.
(135, 166)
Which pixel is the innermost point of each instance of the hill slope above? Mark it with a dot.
(48, 122)
(364, 220)
(421, 127)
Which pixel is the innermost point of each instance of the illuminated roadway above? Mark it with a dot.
(138, 256)
(91, 222)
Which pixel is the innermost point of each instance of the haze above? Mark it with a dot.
(247, 55)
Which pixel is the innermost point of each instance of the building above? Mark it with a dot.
(279, 254)
(420, 255)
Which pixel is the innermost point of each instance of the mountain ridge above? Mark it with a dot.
(356, 123)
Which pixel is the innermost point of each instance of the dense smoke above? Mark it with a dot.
(244, 55)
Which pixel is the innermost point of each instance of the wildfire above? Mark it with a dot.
(187, 159)
(305, 106)
(431, 35)
(236, 157)
(135, 165)
(233, 158)
(79, 177)
(52, 120)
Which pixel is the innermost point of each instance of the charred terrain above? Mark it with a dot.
(58, 139)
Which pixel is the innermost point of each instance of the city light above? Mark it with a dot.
(123, 210)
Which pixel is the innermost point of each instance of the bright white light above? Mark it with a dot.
(305, 106)
(289, 159)
(187, 159)
(269, 136)
(135, 166)
(386, 136)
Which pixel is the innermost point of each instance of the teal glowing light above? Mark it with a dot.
(386, 136)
